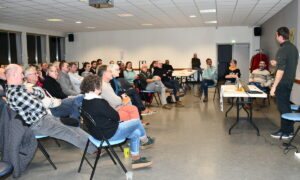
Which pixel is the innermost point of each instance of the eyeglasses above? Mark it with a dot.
(55, 71)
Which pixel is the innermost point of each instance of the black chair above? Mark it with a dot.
(43, 150)
(5, 168)
(104, 143)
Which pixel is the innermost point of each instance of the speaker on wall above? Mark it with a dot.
(257, 31)
(71, 37)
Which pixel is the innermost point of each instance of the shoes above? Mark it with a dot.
(146, 123)
(200, 94)
(279, 134)
(179, 94)
(141, 163)
(166, 106)
(147, 144)
(179, 104)
(169, 90)
(247, 106)
(205, 99)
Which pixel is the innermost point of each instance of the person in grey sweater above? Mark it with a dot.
(64, 80)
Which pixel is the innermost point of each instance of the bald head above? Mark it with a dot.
(2, 74)
(144, 68)
(14, 74)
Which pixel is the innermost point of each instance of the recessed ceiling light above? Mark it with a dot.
(78, 22)
(90, 27)
(233, 41)
(211, 22)
(147, 24)
(125, 15)
(83, 0)
(54, 20)
(193, 16)
(208, 11)
(2, 7)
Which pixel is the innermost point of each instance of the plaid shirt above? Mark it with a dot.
(27, 105)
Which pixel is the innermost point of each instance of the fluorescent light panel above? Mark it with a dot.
(193, 16)
(147, 24)
(208, 11)
(211, 22)
(125, 15)
(54, 20)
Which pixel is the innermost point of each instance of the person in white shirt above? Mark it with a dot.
(74, 77)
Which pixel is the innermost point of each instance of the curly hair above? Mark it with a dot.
(90, 83)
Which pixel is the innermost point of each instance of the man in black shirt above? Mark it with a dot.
(196, 65)
(286, 61)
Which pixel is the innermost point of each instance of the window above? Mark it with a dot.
(34, 49)
(57, 48)
(8, 48)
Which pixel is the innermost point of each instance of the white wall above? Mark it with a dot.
(176, 44)
(24, 30)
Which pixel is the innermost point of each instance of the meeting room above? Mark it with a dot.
(149, 89)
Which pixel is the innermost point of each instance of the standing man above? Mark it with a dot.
(286, 61)
(196, 65)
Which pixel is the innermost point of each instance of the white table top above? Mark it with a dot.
(183, 73)
(230, 91)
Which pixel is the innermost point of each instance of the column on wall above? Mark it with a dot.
(24, 48)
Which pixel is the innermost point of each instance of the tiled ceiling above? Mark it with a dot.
(159, 13)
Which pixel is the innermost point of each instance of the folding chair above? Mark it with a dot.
(5, 168)
(43, 150)
(146, 95)
(104, 143)
(295, 117)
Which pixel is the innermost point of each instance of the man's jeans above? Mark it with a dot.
(133, 130)
(283, 95)
(204, 86)
(69, 108)
(173, 84)
(50, 126)
(158, 86)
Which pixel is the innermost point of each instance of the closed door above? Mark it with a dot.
(241, 53)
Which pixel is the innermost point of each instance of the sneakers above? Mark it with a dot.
(279, 134)
(179, 104)
(180, 94)
(141, 163)
(147, 144)
(166, 106)
(205, 99)
(169, 90)
(145, 123)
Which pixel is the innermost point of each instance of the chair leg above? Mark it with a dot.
(83, 156)
(56, 141)
(43, 150)
(96, 162)
(118, 159)
(112, 158)
(121, 148)
(215, 91)
(290, 142)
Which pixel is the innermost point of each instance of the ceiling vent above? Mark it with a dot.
(101, 3)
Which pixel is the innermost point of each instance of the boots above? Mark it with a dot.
(205, 99)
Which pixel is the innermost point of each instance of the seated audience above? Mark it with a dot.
(87, 70)
(168, 68)
(261, 77)
(93, 67)
(153, 83)
(232, 72)
(209, 78)
(122, 103)
(64, 80)
(74, 77)
(111, 62)
(168, 82)
(2, 87)
(121, 86)
(58, 108)
(44, 69)
(82, 69)
(108, 125)
(25, 101)
(99, 62)
(129, 73)
(122, 68)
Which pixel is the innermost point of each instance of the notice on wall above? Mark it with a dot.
(292, 35)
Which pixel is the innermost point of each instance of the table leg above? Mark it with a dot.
(232, 104)
(237, 115)
(250, 119)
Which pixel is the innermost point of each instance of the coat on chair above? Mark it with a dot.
(17, 141)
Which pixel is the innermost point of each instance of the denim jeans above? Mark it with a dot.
(50, 126)
(158, 86)
(69, 108)
(204, 86)
(173, 84)
(133, 130)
